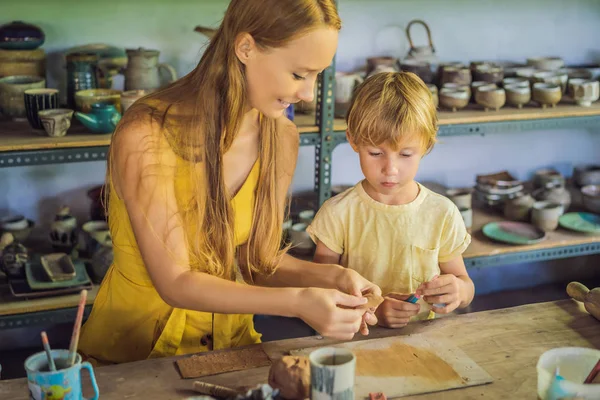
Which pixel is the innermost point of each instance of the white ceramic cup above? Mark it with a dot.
(332, 373)
(574, 365)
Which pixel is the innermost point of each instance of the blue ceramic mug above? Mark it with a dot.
(64, 383)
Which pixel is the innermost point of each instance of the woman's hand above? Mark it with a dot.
(351, 282)
(330, 312)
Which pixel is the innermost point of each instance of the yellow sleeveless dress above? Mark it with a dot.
(130, 321)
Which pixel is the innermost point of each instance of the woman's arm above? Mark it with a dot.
(145, 182)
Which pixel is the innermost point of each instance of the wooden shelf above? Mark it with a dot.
(19, 136)
(12, 306)
(474, 114)
(481, 246)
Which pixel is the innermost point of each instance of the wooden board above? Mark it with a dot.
(409, 365)
(506, 343)
(217, 363)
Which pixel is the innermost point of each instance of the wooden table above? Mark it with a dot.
(506, 343)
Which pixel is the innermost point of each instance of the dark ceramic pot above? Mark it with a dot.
(19, 35)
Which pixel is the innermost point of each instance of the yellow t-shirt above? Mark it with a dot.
(397, 247)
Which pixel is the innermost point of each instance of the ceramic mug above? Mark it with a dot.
(545, 215)
(467, 215)
(461, 197)
(332, 373)
(96, 234)
(37, 100)
(64, 383)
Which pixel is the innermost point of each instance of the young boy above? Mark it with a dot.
(389, 228)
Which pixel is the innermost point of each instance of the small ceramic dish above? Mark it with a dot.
(58, 266)
(580, 222)
(513, 232)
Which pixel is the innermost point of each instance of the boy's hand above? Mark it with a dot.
(395, 312)
(443, 289)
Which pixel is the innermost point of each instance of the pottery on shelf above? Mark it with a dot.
(37, 100)
(434, 94)
(63, 232)
(586, 92)
(102, 259)
(553, 77)
(18, 35)
(56, 122)
(591, 198)
(457, 86)
(13, 257)
(517, 95)
(144, 72)
(490, 97)
(454, 99)
(546, 63)
(18, 226)
(489, 73)
(456, 74)
(587, 175)
(103, 118)
(546, 94)
(420, 68)
(129, 97)
(547, 176)
(519, 208)
(516, 81)
(84, 99)
(462, 197)
(22, 62)
(12, 89)
(555, 193)
(345, 85)
(545, 215)
(421, 53)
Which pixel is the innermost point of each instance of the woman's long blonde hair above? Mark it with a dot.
(215, 92)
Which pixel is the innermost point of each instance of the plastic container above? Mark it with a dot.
(574, 364)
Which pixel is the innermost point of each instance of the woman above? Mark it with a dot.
(197, 176)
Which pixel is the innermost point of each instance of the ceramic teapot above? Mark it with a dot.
(421, 53)
(103, 118)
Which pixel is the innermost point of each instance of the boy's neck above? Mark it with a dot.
(404, 195)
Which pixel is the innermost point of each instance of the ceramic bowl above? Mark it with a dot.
(526, 72)
(454, 99)
(476, 85)
(552, 77)
(457, 86)
(548, 176)
(519, 208)
(131, 96)
(489, 73)
(587, 175)
(571, 86)
(462, 197)
(517, 95)
(20, 233)
(490, 97)
(521, 82)
(546, 94)
(456, 74)
(85, 98)
(421, 69)
(586, 92)
(12, 92)
(577, 73)
(547, 63)
(56, 122)
(18, 35)
(591, 198)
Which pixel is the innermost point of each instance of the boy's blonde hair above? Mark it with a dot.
(390, 107)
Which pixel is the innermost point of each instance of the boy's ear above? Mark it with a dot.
(352, 144)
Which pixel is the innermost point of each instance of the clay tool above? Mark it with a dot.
(77, 328)
(593, 373)
(47, 350)
(214, 390)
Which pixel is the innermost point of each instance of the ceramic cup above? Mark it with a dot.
(64, 383)
(14, 223)
(131, 96)
(461, 197)
(37, 100)
(545, 214)
(56, 122)
(332, 374)
(95, 234)
(574, 364)
(467, 215)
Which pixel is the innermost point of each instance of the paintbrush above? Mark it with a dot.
(593, 373)
(214, 390)
(77, 328)
(46, 345)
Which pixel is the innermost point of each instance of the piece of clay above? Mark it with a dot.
(377, 396)
(291, 375)
(374, 300)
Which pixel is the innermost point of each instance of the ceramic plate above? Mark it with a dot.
(580, 222)
(38, 279)
(513, 232)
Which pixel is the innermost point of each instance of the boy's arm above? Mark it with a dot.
(324, 255)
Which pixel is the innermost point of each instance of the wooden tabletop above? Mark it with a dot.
(506, 343)
(19, 136)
